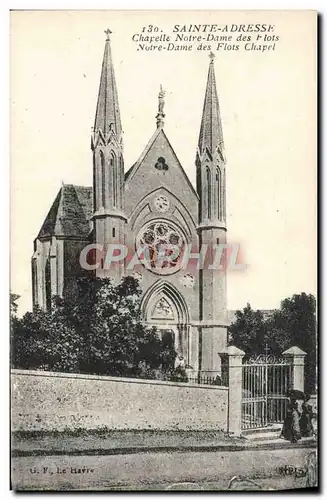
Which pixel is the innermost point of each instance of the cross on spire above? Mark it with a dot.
(211, 56)
(108, 33)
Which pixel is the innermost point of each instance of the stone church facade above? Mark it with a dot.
(151, 203)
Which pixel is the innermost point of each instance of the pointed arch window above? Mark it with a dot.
(34, 281)
(218, 188)
(121, 179)
(113, 169)
(208, 178)
(47, 279)
(223, 195)
(103, 179)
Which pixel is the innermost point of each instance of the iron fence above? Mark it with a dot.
(266, 381)
(204, 380)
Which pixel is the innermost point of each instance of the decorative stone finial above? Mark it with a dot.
(108, 33)
(161, 104)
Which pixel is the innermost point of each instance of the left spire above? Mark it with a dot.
(107, 117)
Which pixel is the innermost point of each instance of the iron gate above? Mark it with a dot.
(266, 381)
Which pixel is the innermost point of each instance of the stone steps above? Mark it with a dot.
(271, 435)
(263, 433)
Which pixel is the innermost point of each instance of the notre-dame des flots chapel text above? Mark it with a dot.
(151, 202)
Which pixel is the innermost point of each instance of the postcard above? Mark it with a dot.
(163, 250)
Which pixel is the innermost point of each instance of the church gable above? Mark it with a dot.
(157, 167)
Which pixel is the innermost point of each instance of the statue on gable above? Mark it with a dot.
(161, 99)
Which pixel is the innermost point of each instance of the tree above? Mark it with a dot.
(248, 332)
(14, 330)
(119, 341)
(22, 342)
(28, 340)
(293, 324)
(13, 305)
(97, 329)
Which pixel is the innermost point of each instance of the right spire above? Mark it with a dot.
(211, 133)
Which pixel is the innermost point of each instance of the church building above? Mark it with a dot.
(150, 203)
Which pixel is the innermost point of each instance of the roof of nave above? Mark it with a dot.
(70, 213)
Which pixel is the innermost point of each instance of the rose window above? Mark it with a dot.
(162, 244)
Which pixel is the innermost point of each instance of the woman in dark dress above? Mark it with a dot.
(306, 426)
(296, 423)
(291, 427)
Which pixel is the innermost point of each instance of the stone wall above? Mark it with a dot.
(60, 401)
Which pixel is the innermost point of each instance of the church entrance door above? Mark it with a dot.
(164, 308)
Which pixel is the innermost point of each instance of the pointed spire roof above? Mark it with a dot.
(211, 132)
(107, 116)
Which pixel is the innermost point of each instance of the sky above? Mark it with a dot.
(268, 108)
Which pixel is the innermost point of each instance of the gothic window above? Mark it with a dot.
(95, 185)
(218, 187)
(103, 179)
(47, 277)
(121, 186)
(34, 280)
(161, 164)
(209, 191)
(113, 169)
(163, 245)
(223, 207)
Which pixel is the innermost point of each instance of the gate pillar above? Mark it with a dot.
(231, 376)
(296, 358)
